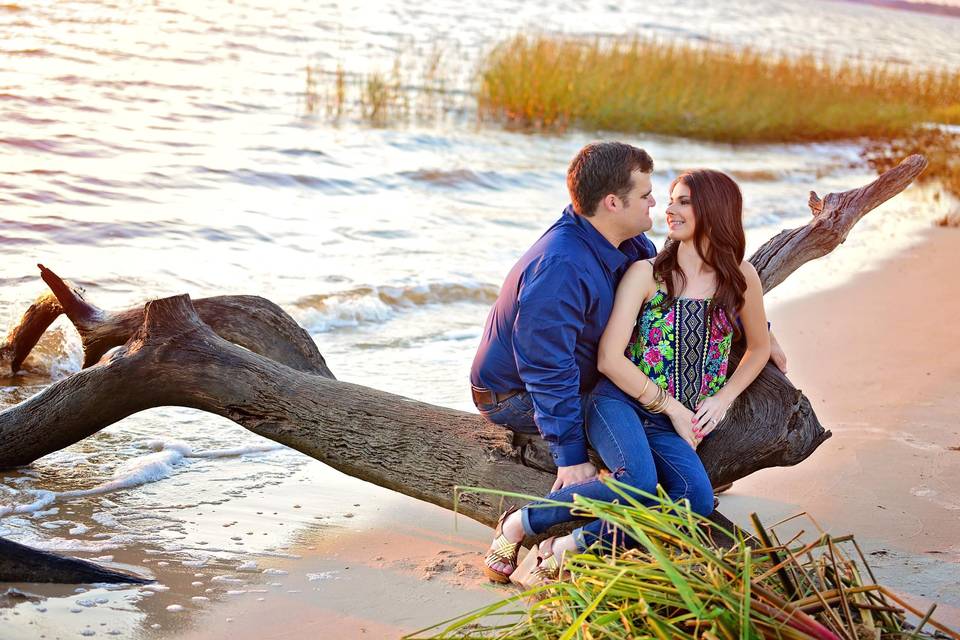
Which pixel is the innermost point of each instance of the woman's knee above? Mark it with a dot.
(642, 479)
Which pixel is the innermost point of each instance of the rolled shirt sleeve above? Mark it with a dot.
(551, 316)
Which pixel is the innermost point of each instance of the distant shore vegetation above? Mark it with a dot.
(706, 92)
(552, 83)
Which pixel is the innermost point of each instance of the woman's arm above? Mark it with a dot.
(636, 287)
(754, 320)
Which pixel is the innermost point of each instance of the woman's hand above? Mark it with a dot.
(682, 420)
(709, 414)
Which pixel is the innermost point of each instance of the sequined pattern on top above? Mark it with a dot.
(683, 348)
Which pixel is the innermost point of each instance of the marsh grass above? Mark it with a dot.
(705, 92)
(416, 89)
(677, 584)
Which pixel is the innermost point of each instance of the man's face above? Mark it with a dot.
(635, 214)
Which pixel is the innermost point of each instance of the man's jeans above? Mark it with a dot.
(640, 449)
(516, 413)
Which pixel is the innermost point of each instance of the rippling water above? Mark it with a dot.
(154, 149)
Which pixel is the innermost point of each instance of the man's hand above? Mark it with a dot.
(777, 356)
(573, 474)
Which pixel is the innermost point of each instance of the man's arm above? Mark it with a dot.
(550, 318)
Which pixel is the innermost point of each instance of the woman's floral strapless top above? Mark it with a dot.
(684, 348)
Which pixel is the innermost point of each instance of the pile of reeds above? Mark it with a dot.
(706, 92)
(942, 151)
(678, 584)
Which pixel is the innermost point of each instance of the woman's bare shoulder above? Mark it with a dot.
(748, 270)
(641, 268)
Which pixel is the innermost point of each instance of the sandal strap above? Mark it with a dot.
(548, 569)
(503, 550)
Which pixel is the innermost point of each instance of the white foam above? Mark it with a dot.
(43, 498)
(104, 518)
(323, 575)
(166, 456)
(156, 587)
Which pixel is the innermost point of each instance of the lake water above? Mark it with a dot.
(151, 149)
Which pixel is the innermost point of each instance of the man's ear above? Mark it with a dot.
(610, 202)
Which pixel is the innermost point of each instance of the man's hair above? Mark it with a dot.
(602, 168)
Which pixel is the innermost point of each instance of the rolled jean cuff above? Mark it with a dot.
(579, 539)
(525, 519)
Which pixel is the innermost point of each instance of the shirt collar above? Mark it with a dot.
(612, 258)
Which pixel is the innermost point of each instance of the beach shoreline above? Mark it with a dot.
(872, 354)
(849, 485)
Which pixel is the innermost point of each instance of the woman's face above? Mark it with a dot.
(681, 220)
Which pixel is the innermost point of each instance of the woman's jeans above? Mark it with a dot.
(641, 449)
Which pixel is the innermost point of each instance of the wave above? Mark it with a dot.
(323, 312)
(166, 456)
(454, 179)
(493, 180)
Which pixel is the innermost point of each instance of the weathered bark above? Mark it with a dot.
(833, 218)
(249, 321)
(19, 563)
(418, 449)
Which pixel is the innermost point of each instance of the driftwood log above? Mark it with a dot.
(20, 563)
(243, 358)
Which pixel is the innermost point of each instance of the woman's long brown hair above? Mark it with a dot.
(718, 238)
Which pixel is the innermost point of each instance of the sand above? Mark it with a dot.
(879, 359)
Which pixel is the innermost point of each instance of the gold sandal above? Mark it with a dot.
(501, 551)
(548, 567)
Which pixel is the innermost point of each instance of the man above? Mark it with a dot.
(538, 353)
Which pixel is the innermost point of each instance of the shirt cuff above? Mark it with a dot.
(569, 453)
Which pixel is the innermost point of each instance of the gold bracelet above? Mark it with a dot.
(661, 402)
(658, 403)
(656, 398)
(640, 395)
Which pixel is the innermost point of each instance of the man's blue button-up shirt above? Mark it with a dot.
(544, 329)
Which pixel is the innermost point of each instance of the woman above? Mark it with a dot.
(664, 353)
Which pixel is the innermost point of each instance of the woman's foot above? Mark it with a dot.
(501, 560)
(550, 559)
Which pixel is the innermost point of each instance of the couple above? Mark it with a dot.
(597, 338)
